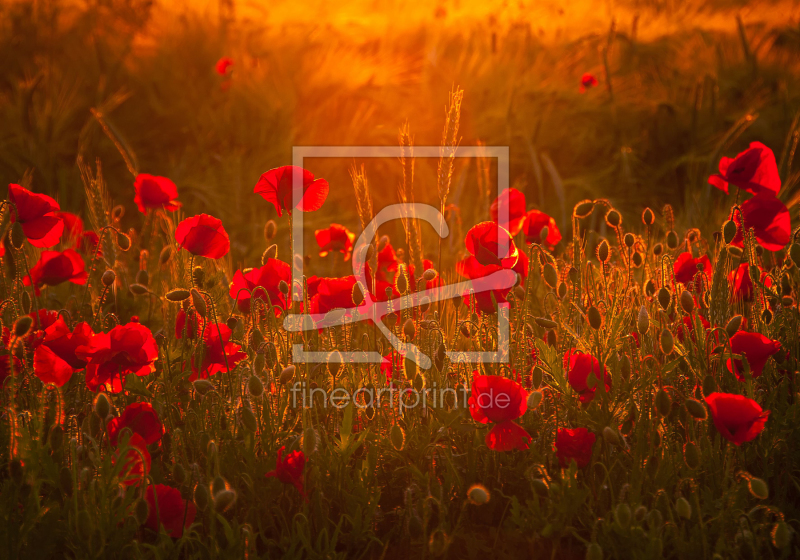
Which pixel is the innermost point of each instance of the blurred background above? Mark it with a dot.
(679, 84)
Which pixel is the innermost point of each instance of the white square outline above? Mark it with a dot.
(299, 153)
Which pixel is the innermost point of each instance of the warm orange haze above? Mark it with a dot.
(389, 280)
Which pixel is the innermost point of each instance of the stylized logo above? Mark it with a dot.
(374, 310)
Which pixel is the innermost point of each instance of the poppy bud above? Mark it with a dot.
(691, 455)
(595, 320)
(401, 283)
(123, 241)
(594, 552)
(465, 330)
(224, 499)
(728, 231)
(254, 386)
(781, 535)
(794, 253)
(683, 508)
(637, 259)
(177, 295)
(786, 287)
(622, 514)
(625, 367)
(198, 302)
(270, 229)
(178, 474)
(201, 497)
(658, 248)
(787, 301)
(203, 386)
(687, 302)
(56, 437)
(17, 235)
(610, 436)
(583, 209)
(766, 316)
(540, 486)
(536, 378)
(613, 218)
(552, 339)
(573, 274)
(141, 511)
(429, 275)
(534, 399)
(138, 289)
(602, 251)
(270, 253)
(108, 278)
(735, 252)
(709, 385)
(758, 488)
(142, 277)
(545, 231)
(102, 406)
(391, 320)
(663, 402)
(248, 419)
(545, 323)
(287, 374)
(643, 321)
(357, 294)
(409, 329)
(650, 288)
(648, 218)
(198, 277)
(696, 409)
(309, 441)
(733, 325)
(667, 342)
(629, 240)
(655, 520)
(640, 514)
(165, 256)
(478, 494)
(397, 437)
(22, 325)
(664, 298)
(550, 275)
(562, 290)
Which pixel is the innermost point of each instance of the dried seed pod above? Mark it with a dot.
(728, 231)
(613, 218)
(603, 251)
(687, 302)
(672, 240)
(648, 218)
(108, 278)
(198, 302)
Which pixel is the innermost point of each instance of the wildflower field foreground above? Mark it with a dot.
(598, 359)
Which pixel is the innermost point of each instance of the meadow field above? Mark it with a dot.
(546, 304)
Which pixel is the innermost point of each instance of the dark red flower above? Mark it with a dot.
(124, 350)
(490, 244)
(275, 186)
(331, 293)
(190, 328)
(55, 267)
(512, 202)
(574, 444)
(140, 418)
(222, 65)
(262, 282)
(203, 236)
(579, 367)
(136, 461)
(769, 219)
(54, 359)
(73, 224)
(753, 170)
(87, 243)
(742, 285)
(501, 401)
(737, 418)
(168, 508)
(535, 222)
(37, 214)
(756, 348)
(153, 191)
(335, 238)
(220, 353)
(587, 82)
(686, 267)
(289, 469)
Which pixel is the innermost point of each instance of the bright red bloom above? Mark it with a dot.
(87, 243)
(737, 418)
(153, 191)
(37, 214)
(501, 401)
(126, 349)
(220, 353)
(203, 236)
(140, 418)
(579, 367)
(331, 293)
(587, 82)
(335, 238)
(55, 267)
(742, 285)
(222, 65)
(769, 219)
(753, 170)
(574, 444)
(472, 269)
(686, 267)
(756, 348)
(54, 360)
(512, 202)
(535, 222)
(170, 510)
(275, 186)
(137, 461)
(73, 224)
(490, 244)
(192, 328)
(289, 469)
(260, 280)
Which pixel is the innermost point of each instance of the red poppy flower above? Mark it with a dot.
(490, 244)
(289, 469)
(579, 366)
(203, 236)
(87, 243)
(511, 202)
(136, 461)
(223, 64)
(36, 213)
(756, 348)
(191, 327)
(753, 170)
(260, 280)
(73, 224)
(140, 418)
(737, 418)
(770, 220)
(742, 285)
(124, 350)
(220, 353)
(686, 267)
(275, 186)
(535, 222)
(55, 267)
(574, 444)
(331, 293)
(153, 191)
(54, 359)
(501, 401)
(170, 510)
(489, 291)
(335, 238)
(587, 82)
